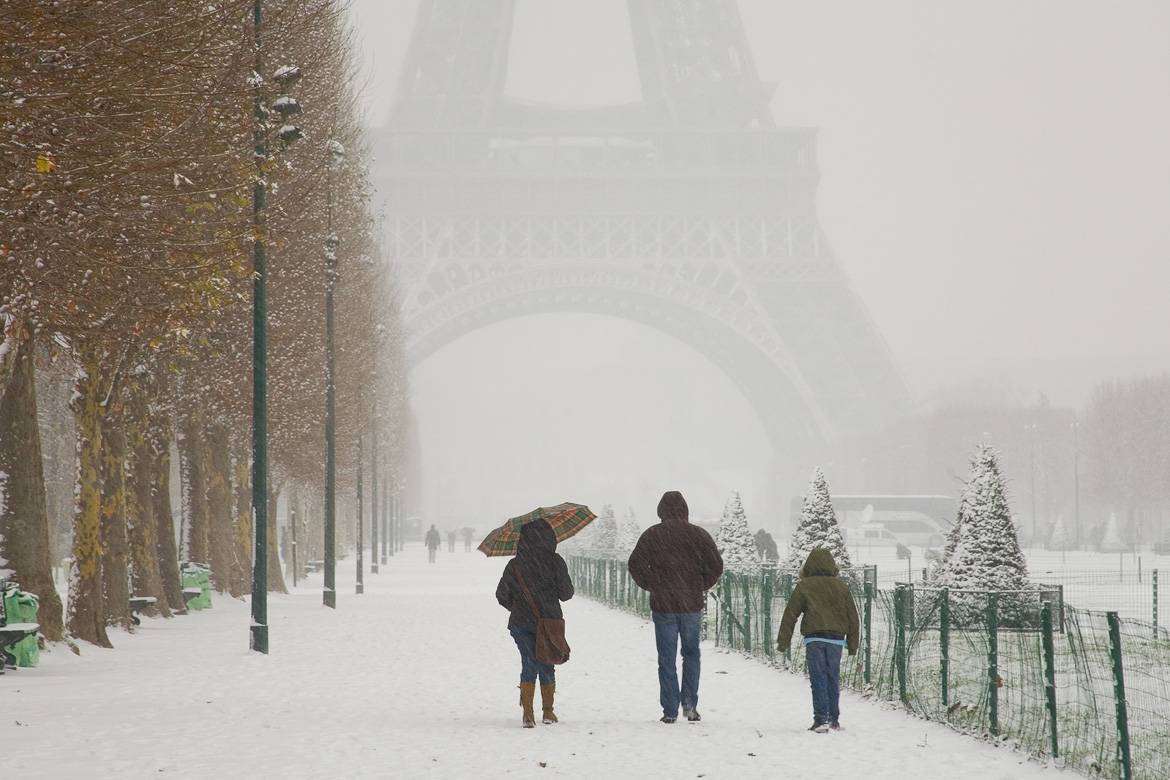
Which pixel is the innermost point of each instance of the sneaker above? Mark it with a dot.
(835, 726)
(692, 714)
(667, 719)
(819, 728)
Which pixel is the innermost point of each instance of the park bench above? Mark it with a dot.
(312, 567)
(190, 594)
(10, 634)
(139, 603)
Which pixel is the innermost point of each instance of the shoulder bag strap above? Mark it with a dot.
(527, 593)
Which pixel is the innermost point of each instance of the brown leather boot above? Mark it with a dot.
(527, 694)
(546, 703)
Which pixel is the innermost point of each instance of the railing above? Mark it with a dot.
(1087, 688)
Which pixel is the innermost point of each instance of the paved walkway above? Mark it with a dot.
(417, 678)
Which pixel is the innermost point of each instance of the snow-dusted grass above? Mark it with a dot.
(417, 678)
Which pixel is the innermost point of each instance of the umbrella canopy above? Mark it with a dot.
(565, 519)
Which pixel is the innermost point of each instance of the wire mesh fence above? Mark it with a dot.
(1087, 688)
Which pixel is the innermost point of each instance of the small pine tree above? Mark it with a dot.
(818, 527)
(628, 532)
(735, 542)
(603, 536)
(1058, 539)
(983, 551)
(1111, 540)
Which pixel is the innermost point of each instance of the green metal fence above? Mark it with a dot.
(1087, 688)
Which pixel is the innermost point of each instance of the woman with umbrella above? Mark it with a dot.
(536, 576)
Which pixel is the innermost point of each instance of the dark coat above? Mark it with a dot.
(674, 560)
(824, 600)
(545, 573)
(432, 539)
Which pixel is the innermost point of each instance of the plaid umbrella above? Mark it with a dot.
(566, 519)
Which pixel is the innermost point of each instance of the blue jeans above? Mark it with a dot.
(669, 627)
(824, 675)
(530, 668)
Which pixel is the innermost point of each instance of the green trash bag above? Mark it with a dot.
(21, 607)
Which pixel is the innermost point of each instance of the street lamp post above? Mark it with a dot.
(259, 628)
(385, 514)
(359, 588)
(374, 496)
(1031, 428)
(1077, 481)
(329, 595)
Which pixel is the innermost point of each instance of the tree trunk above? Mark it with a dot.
(24, 519)
(86, 616)
(219, 507)
(275, 576)
(194, 476)
(241, 582)
(144, 559)
(160, 495)
(115, 546)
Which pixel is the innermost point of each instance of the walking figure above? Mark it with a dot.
(450, 541)
(432, 542)
(677, 562)
(536, 576)
(467, 534)
(829, 624)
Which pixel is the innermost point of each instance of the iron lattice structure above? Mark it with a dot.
(689, 211)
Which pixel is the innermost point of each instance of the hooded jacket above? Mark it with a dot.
(674, 560)
(824, 600)
(545, 573)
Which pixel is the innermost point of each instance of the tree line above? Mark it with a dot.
(128, 142)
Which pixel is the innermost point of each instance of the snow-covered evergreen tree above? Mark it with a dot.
(1058, 539)
(1111, 541)
(628, 532)
(818, 527)
(735, 542)
(603, 534)
(983, 551)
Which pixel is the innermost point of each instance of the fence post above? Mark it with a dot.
(1049, 675)
(1119, 696)
(900, 653)
(868, 617)
(747, 613)
(766, 606)
(993, 662)
(1155, 603)
(725, 604)
(944, 644)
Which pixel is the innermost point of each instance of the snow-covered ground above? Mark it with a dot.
(417, 677)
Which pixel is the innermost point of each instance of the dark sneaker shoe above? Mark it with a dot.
(835, 726)
(820, 728)
(692, 714)
(667, 719)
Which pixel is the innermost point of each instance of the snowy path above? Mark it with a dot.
(417, 678)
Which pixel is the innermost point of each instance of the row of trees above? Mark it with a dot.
(1068, 467)
(133, 139)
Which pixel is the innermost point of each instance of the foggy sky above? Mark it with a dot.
(996, 180)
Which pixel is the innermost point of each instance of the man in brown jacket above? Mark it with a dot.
(829, 625)
(677, 562)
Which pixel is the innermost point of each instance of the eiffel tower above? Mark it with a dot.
(690, 211)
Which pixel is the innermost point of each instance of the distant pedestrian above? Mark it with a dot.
(829, 625)
(677, 562)
(432, 542)
(450, 541)
(468, 533)
(766, 546)
(537, 575)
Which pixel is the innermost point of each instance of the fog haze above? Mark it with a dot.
(995, 180)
